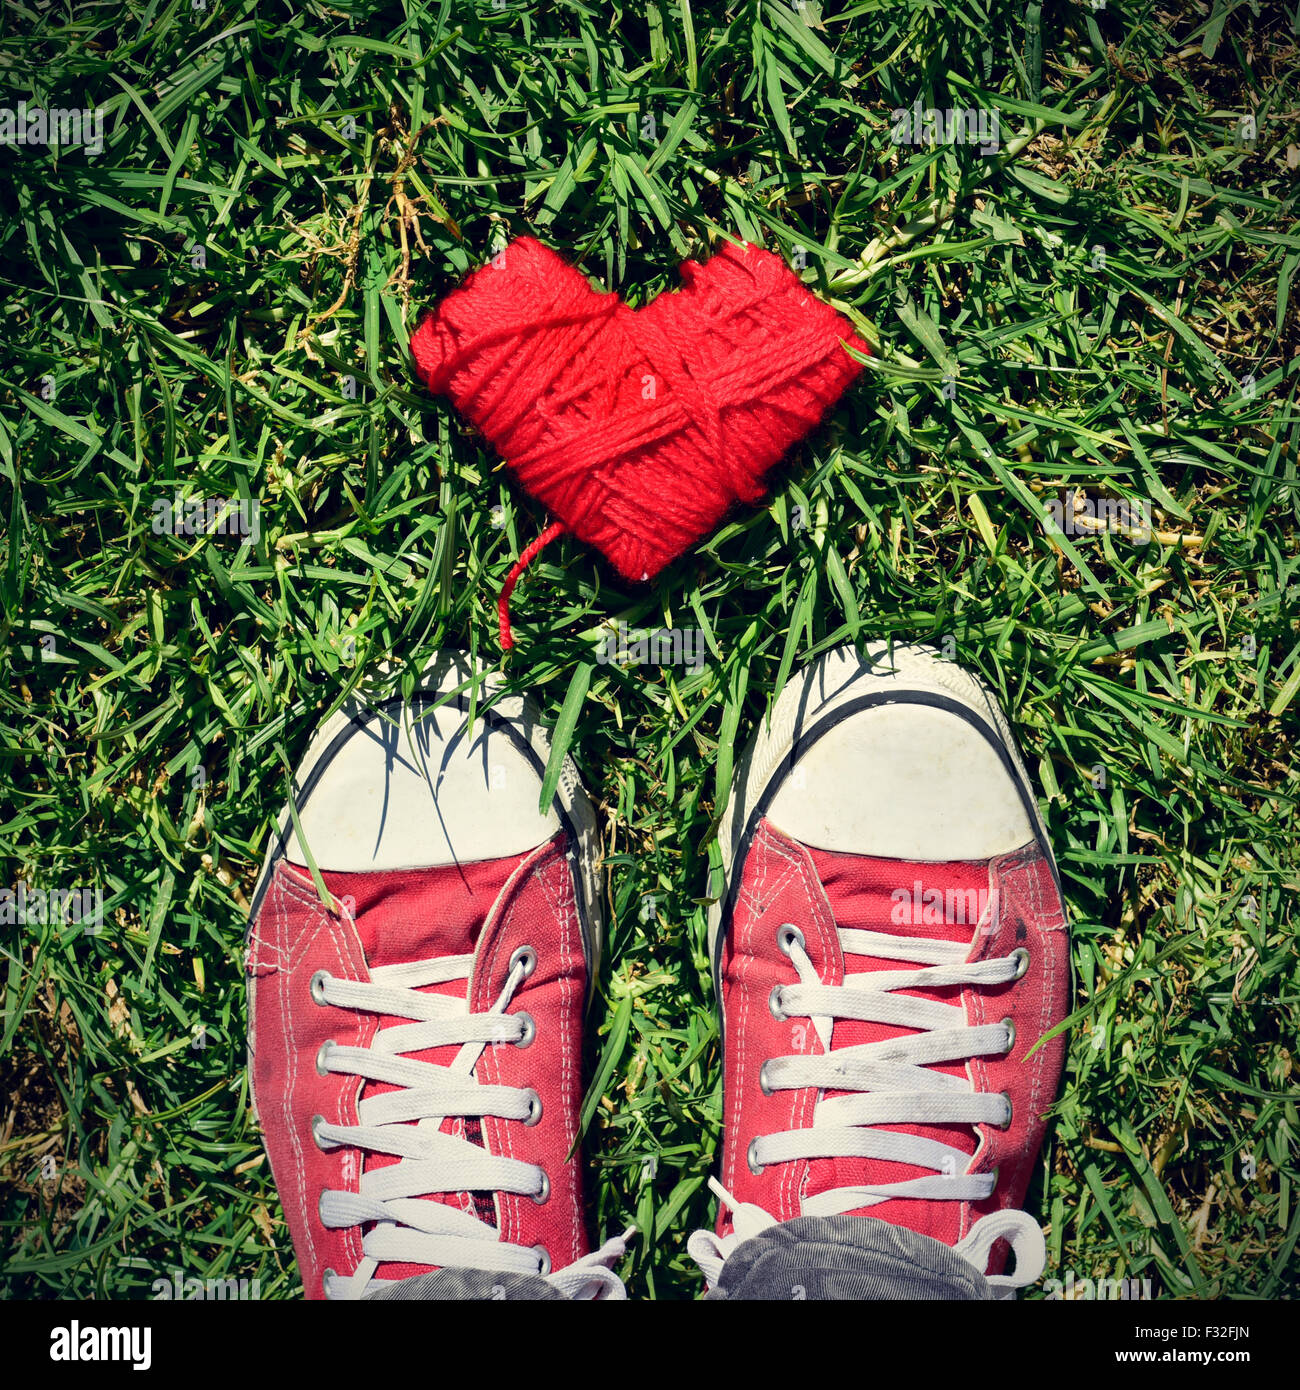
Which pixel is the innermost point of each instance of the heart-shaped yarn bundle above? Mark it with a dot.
(638, 429)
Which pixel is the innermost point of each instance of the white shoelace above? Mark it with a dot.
(889, 1082)
(406, 1121)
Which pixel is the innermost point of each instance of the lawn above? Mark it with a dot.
(1070, 463)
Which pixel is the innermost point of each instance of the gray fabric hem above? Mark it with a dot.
(846, 1258)
(469, 1286)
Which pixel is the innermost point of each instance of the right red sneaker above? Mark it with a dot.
(422, 941)
(890, 947)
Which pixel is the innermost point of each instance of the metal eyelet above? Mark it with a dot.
(534, 1108)
(543, 1260)
(316, 1122)
(320, 1208)
(544, 1193)
(763, 1084)
(526, 957)
(1006, 1124)
(754, 1166)
(1011, 1036)
(788, 936)
(530, 1029)
(325, 1278)
(1021, 958)
(774, 1003)
(322, 1056)
(318, 986)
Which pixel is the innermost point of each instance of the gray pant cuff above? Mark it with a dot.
(469, 1285)
(846, 1257)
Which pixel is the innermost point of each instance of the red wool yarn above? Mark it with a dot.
(637, 429)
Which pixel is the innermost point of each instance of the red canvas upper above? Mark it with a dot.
(388, 918)
(820, 892)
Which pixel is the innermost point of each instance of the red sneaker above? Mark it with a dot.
(415, 1038)
(890, 947)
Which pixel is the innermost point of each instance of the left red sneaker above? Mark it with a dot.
(416, 1016)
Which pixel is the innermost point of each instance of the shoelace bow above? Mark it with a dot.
(889, 1082)
(407, 1121)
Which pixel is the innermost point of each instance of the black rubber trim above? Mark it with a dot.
(422, 698)
(819, 730)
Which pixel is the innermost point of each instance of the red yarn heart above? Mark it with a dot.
(637, 429)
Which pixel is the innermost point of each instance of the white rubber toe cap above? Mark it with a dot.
(903, 781)
(418, 789)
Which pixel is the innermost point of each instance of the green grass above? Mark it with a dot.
(1111, 297)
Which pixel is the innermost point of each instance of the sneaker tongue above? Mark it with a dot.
(424, 914)
(938, 902)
